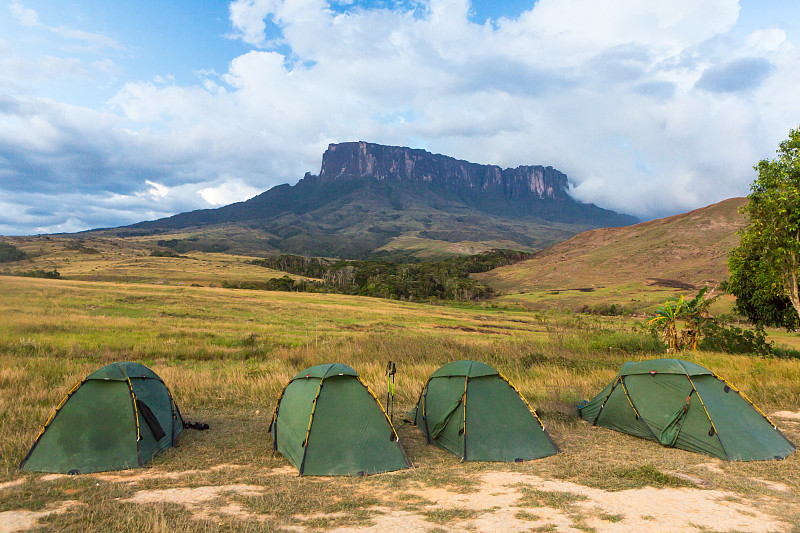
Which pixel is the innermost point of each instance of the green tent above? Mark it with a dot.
(118, 417)
(683, 405)
(473, 411)
(328, 422)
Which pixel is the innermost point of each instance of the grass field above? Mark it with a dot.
(226, 354)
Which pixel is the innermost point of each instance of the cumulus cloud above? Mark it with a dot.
(741, 74)
(650, 108)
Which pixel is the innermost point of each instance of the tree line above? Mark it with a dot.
(448, 279)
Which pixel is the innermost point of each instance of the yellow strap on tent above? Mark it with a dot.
(135, 409)
(464, 404)
(278, 402)
(311, 418)
(625, 389)
(58, 408)
(380, 405)
(748, 400)
(531, 409)
(704, 407)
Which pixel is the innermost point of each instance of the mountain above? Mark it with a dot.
(370, 199)
(682, 251)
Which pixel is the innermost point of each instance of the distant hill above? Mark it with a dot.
(682, 251)
(385, 201)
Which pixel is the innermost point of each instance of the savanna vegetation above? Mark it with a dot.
(227, 354)
(9, 253)
(447, 279)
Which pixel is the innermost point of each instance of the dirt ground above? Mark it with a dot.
(497, 505)
(496, 500)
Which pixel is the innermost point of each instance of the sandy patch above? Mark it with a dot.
(134, 476)
(22, 520)
(773, 485)
(14, 483)
(713, 467)
(196, 499)
(786, 414)
(498, 506)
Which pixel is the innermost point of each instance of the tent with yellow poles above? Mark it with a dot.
(118, 417)
(328, 422)
(683, 405)
(473, 411)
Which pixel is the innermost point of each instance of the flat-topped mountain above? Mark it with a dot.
(359, 160)
(372, 199)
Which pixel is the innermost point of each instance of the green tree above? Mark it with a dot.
(766, 265)
(758, 290)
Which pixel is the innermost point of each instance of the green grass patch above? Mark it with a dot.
(445, 516)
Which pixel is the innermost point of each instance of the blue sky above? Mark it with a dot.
(117, 112)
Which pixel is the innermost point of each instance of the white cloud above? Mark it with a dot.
(90, 41)
(228, 192)
(26, 16)
(156, 190)
(650, 108)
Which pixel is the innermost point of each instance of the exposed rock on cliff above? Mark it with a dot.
(358, 160)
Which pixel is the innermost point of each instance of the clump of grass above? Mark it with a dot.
(648, 476)
(444, 516)
(532, 497)
(525, 515)
(614, 518)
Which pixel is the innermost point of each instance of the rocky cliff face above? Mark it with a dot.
(362, 160)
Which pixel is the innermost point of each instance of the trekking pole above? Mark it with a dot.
(391, 370)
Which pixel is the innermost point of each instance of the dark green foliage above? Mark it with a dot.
(39, 273)
(758, 290)
(733, 339)
(165, 253)
(192, 243)
(765, 268)
(80, 247)
(9, 252)
(447, 279)
(605, 309)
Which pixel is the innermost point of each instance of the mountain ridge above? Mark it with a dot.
(367, 194)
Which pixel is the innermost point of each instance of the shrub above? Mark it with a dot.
(733, 339)
(9, 252)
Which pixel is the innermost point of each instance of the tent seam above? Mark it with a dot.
(394, 431)
(603, 405)
(308, 432)
(50, 419)
(636, 411)
(136, 417)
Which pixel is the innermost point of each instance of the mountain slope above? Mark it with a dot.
(371, 198)
(687, 249)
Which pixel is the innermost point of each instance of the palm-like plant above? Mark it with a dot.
(666, 318)
(696, 315)
(693, 312)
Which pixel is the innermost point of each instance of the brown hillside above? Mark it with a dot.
(678, 251)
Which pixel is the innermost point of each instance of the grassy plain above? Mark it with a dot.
(226, 354)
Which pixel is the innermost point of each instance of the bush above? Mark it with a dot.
(39, 273)
(733, 339)
(9, 253)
